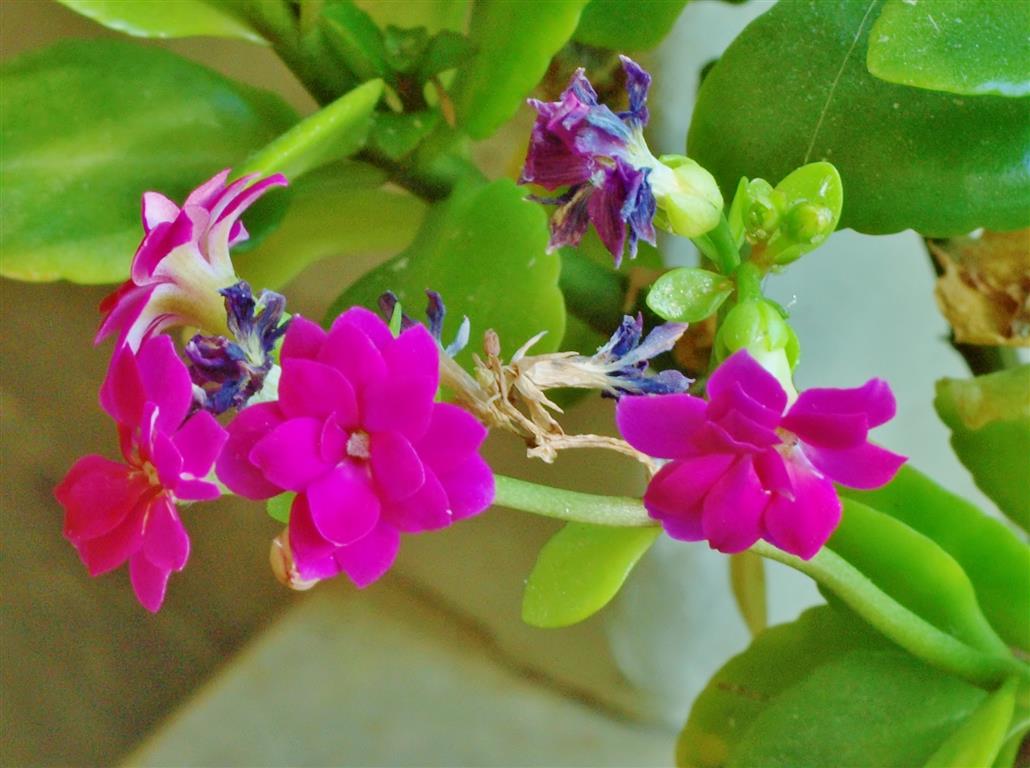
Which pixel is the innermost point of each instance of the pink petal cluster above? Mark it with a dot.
(741, 469)
(118, 511)
(183, 261)
(357, 435)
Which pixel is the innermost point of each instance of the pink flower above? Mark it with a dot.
(356, 433)
(183, 261)
(741, 469)
(127, 511)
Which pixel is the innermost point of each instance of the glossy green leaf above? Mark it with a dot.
(484, 251)
(580, 570)
(334, 132)
(995, 560)
(869, 707)
(914, 571)
(812, 198)
(356, 39)
(980, 738)
(514, 41)
(777, 659)
(166, 18)
(747, 578)
(969, 47)
(434, 15)
(688, 294)
(397, 135)
(278, 507)
(341, 210)
(627, 25)
(88, 126)
(908, 158)
(989, 419)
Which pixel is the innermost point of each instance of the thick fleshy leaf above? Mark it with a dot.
(980, 738)
(278, 507)
(688, 294)
(915, 572)
(660, 425)
(968, 47)
(989, 419)
(515, 42)
(90, 100)
(986, 549)
(483, 250)
(747, 578)
(343, 506)
(580, 570)
(627, 25)
(182, 18)
(783, 701)
(908, 158)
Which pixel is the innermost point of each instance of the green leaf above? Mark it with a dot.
(515, 42)
(355, 38)
(627, 25)
(908, 158)
(812, 197)
(777, 659)
(688, 294)
(980, 738)
(915, 572)
(991, 555)
(364, 218)
(88, 126)
(869, 707)
(989, 419)
(747, 578)
(336, 131)
(968, 47)
(434, 15)
(580, 570)
(484, 251)
(278, 507)
(398, 135)
(178, 18)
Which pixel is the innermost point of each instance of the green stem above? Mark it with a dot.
(894, 620)
(569, 505)
(749, 282)
(720, 247)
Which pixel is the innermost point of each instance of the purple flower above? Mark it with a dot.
(183, 261)
(118, 511)
(741, 469)
(603, 160)
(357, 435)
(228, 372)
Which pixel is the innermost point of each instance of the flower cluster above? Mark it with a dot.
(742, 469)
(611, 178)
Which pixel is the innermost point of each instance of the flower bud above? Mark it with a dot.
(759, 327)
(280, 557)
(687, 194)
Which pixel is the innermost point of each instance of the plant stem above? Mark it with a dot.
(572, 506)
(882, 611)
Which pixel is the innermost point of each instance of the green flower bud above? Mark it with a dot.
(687, 194)
(759, 327)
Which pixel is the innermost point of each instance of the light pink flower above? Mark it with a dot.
(183, 261)
(127, 511)
(357, 434)
(742, 470)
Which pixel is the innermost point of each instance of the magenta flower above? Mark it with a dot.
(183, 261)
(127, 511)
(742, 470)
(357, 435)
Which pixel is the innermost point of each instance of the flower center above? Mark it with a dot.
(150, 472)
(358, 445)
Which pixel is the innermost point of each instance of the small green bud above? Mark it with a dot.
(759, 327)
(808, 223)
(687, 194)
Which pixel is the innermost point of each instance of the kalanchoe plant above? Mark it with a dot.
(368, 429)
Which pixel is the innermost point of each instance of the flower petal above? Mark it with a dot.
(107, 552)
(414, 353)
(734, 398)
(453, 435)
(97, 494)
(803, 524)
(370, 323)
(312, 553)
(660, 425)
(149, 581)
(304, 339)
(165, 542)
(469, 486)
(350, 351)
(740, 368)
(370, 557)
(200, 440)
(401, 404)
(865, 466)
(874, 400)
(396, 467)
(166, 381)
(828, 430)
(343, 505)
(122, 395)
(427, 510)
(197, 490)
(732, 513)
(290, 455)
(234, 467)
(675, 494)
(772, 471)
(167, 460)
(307, 388)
